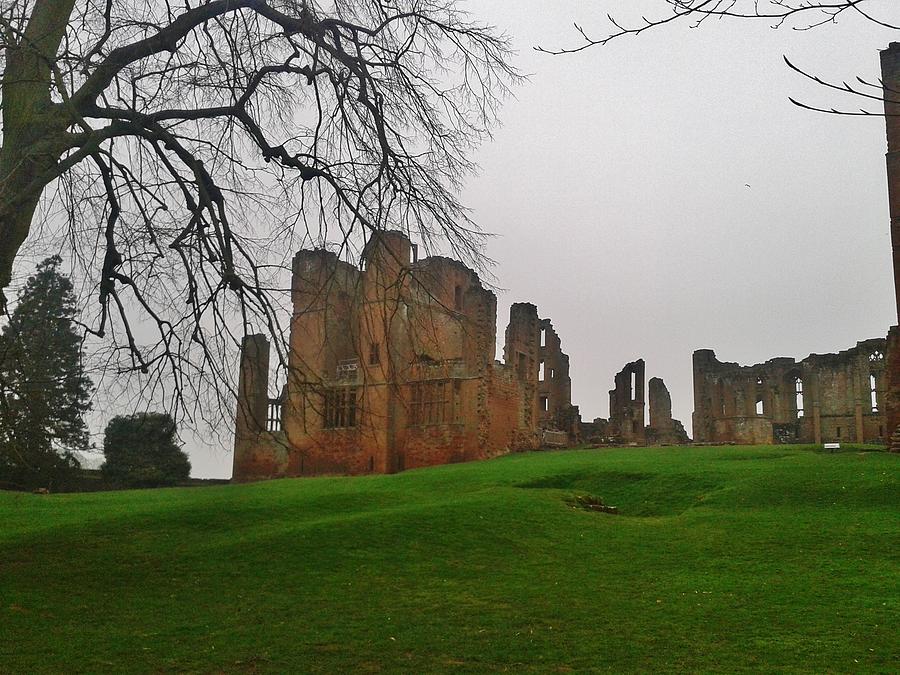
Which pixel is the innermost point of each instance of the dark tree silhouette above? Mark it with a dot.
(44, 392)
(181, 150)
(141, 451)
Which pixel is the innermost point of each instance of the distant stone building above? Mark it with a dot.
(391, 366)
(823, 398)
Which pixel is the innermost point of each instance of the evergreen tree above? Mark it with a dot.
(44, 391)
(141, 451)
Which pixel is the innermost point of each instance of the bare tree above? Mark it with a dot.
(180, 150)
(799, 15)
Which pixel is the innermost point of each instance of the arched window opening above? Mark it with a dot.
(798, 393)
(543, 337)
(873, 391)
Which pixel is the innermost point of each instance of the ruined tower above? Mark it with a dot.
(626, 404)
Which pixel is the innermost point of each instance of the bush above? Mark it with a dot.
(141, 451)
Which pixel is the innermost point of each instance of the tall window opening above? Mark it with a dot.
(541, 373)
(633, 386)
(374, 354)
(545, 404)
(838, 432)
(798, 396)
(760, 408)
(458, 298)
(340, 408)
(873, 392)
(543, 337)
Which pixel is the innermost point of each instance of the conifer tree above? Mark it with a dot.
(44, 391)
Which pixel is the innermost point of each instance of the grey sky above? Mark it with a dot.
(617, 189)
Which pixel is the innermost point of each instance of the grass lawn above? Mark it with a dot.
(777, 559)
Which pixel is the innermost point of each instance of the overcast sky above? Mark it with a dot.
(618, 188)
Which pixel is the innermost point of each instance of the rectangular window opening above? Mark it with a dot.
(543, 337)
(541, 373)
(760, 408)
(545, 403)
(374, 354)
(458, 298)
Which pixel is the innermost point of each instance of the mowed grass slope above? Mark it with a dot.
(724, 559)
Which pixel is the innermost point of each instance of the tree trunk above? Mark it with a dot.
(32, 125)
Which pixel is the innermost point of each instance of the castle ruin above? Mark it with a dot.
(823, 398)
(391, 366)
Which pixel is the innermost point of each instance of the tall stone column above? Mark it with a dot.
(252, 403)
(890, 73)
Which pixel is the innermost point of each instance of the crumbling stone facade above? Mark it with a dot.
(626, 405)
(391, 366)
(823, 398)
(559, 419)
(663, 429)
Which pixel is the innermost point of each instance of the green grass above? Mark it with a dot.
(723, 559)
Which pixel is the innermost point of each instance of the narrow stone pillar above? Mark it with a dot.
(817, 423)
(860, 429)
(890, 74)
(252, 402)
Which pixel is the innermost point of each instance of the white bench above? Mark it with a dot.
(832, 446)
